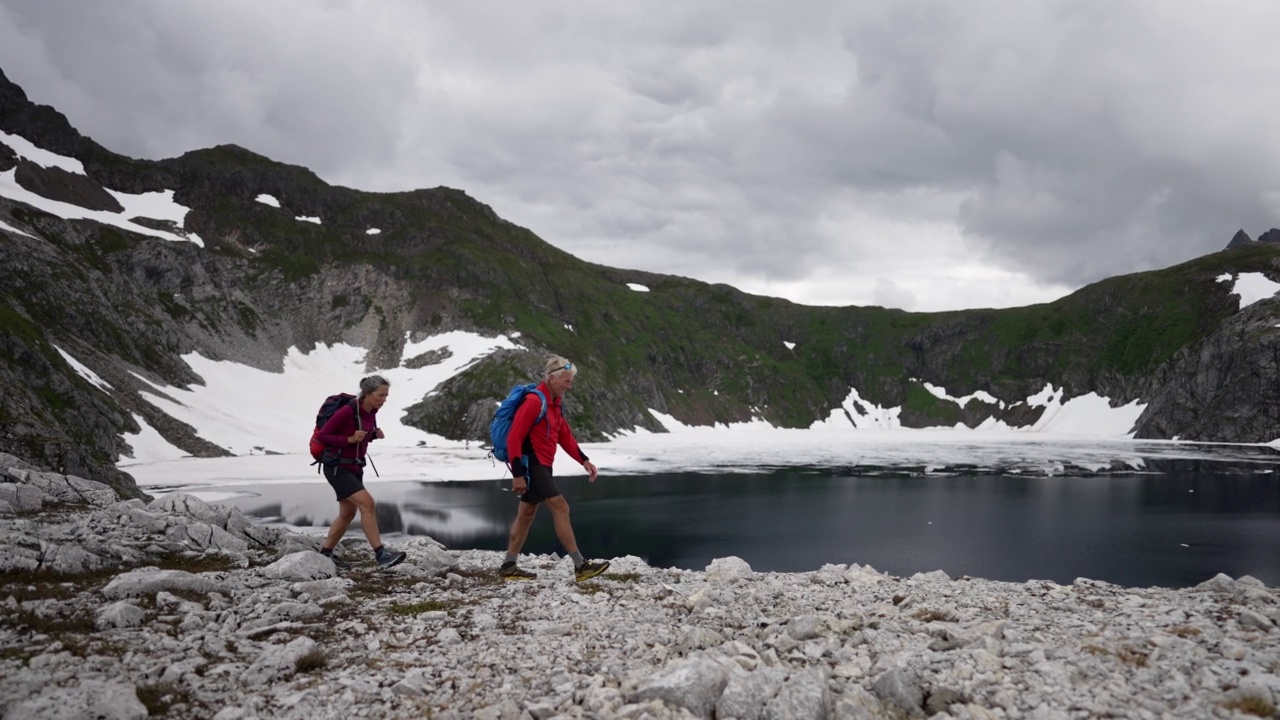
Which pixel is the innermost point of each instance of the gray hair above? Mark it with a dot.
(371, 383)
(557, 364)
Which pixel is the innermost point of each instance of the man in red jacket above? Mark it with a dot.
(537, 441)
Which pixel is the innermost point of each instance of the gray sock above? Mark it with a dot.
(577, 559)
(510, 558)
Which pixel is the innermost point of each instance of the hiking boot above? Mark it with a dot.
(590, 569)
(389, 558)
(512, 571)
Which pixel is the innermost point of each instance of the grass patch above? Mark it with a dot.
(160, 698)
(929, 616)
(79, 623)
(417, 608)
(376, 585)
(195, 563)
(1251, 705)
(47, 585)
(622, 577)
(480, 577)
(1131, 656)
(24, 585)
(1184, 631)
(311, 661)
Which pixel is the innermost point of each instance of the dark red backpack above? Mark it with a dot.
(330, 406)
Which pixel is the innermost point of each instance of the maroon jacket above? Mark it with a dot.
(342, 425)
(539, 441)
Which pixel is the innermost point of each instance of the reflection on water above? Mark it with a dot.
(1175, 525)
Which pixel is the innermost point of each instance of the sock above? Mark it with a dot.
(577, 559)
(326, 551)
(510, 558)
(377, 551)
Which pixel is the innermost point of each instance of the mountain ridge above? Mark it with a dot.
(267, 278)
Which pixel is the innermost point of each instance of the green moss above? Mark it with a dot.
(921, 402)
(248, 318)
(111, 240)
(172, 307)
(1252, 705)
(417, 608)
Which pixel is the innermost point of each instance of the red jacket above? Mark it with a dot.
(539, 441)
(342, 425)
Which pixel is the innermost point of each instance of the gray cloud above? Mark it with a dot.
(919, 153)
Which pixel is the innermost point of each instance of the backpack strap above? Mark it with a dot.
(542, 414)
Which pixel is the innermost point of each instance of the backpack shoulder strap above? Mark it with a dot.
(355, 408)
(543, 412)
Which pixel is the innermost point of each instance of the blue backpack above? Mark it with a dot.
(501, 425)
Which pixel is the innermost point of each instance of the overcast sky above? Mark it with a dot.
(921, 154)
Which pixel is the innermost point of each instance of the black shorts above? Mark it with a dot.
(540, 485)
(346, 480)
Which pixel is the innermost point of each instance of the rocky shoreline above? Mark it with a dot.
(178, 608)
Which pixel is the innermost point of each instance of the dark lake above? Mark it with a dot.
(1174, 526)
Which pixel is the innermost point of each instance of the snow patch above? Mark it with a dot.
(149, 446)
(28, 150)
(10, 188)
(6, 226)
(158, 205)
(1253, 287)
(82, 370)
(981, 395)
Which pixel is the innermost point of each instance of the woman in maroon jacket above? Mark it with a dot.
(537, 440)
(350, 434)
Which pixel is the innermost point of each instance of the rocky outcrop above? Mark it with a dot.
(1240, 239)
(57, 184)
(168, 626)
(8, 158)
(1222, 388)
(1270, 236)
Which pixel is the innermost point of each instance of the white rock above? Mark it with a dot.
(120, 614)
(694, 684)
(95, 699)
(277, 662)
(300, 566)
(728, 569)
(148, 581)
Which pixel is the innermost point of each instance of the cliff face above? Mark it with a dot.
(129, 306)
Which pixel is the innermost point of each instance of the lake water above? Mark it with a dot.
(1176, 524)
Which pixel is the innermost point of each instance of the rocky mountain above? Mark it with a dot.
(256, 278)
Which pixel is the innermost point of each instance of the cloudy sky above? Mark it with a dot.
(922, 154)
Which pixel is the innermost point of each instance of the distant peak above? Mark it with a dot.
(1240, 238)
(1270, 236)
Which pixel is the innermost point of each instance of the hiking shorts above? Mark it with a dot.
(346, 480)
(540, 485)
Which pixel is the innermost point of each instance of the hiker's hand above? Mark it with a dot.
(518, 485)
(379, 434)
(592, 471)
(356, 437)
